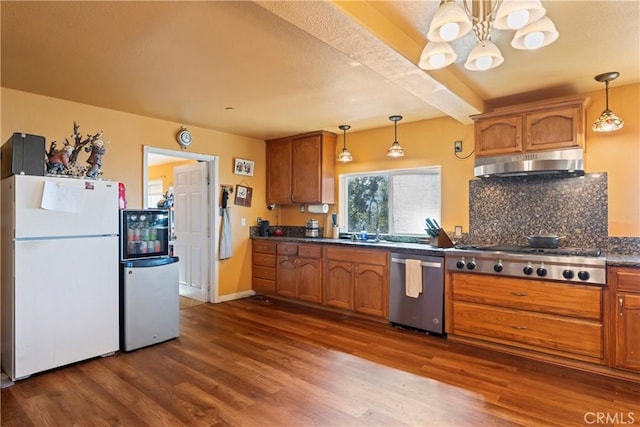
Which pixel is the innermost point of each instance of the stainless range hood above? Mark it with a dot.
(560, 162)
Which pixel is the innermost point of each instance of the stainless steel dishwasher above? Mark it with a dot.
(426, 312)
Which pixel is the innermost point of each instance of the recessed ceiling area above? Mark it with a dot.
(292, 67)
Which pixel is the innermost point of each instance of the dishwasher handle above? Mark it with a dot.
(422, 263)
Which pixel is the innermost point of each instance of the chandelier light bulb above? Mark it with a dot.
(518, 19)
(533, 40)
(449, 31)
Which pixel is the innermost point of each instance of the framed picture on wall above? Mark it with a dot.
(243, 196)
(243, 167)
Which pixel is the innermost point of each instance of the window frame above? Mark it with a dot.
(342, 192)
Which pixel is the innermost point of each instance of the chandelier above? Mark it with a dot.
(533, 30)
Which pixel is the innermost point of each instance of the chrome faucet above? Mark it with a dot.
(377, 238)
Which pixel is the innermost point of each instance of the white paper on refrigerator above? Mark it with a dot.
(61, 197)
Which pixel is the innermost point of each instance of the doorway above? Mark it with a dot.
(153, 155)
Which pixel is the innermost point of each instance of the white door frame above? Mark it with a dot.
(214, 214)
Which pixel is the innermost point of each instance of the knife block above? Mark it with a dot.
(443, 240)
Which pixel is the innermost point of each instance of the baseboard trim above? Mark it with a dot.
(234, 296)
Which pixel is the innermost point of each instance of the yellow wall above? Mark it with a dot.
(618, 154)
(430, 142)
(165, 173)
(126, 134)
(426, 143)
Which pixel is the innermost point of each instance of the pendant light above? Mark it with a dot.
(608, 121)
(395, 150)
(344, 156)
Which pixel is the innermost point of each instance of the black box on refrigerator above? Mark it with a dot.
(23, 154)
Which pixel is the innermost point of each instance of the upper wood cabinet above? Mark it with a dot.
(552, 125)
(301, 169)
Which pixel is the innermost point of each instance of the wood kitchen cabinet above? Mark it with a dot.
(625, 311)
(552, 125)
(546, 317)
(263, 266)
(357, 280)
(301, 169)
(299, 272)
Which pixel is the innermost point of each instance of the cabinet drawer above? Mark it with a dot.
(580, 337)
(264, 285)
(263, 246)
(265, 260)
(358, 255)
(545, 297)
(261, 272)
(310, 251)
(287, 249)
(626, 279)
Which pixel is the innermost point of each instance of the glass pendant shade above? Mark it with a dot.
(449, 23)
(515, 14)
(436, 55)
(484, 56)
(395, 150)
(344, 156)
(608, 121)
(536, 35)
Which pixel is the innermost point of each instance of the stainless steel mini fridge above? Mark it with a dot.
(149, 294)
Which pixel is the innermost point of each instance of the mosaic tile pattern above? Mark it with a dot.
(505, 211)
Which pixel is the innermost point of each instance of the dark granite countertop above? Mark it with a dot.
(381, 245)
(613, 259)
(622, 260)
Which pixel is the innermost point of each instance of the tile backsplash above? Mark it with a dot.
(505, 211)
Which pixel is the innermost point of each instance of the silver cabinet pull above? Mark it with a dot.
(621, 306)
(518, 327)
(519, 294)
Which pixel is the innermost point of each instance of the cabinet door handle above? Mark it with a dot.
(621, 306)
(519, 294)
(518, 327)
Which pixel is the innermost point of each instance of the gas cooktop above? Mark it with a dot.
(588, 252)
(572, 265)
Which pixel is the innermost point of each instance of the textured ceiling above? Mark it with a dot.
(268, 69)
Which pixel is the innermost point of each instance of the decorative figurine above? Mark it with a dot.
(95, 158)
(58, 161)
(166, 201)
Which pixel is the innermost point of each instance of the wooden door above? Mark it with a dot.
(338, 291)
(306, 155)
(371, 289)
(627, 328)
(547, 130)
(192, 228)
(286, 276)
(310, 279)
(498, 135)
(279, 171)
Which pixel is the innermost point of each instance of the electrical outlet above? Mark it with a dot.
(457, 147)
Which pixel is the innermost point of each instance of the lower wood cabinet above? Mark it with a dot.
(299, 271)
(357, 280)
(625, 312)
(263, 266)
(554, 318)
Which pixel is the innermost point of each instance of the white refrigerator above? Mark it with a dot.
(59, 275)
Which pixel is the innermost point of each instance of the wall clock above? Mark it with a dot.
(184, 138)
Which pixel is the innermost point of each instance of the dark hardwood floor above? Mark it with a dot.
(256, 362)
